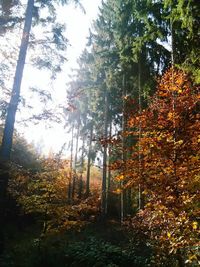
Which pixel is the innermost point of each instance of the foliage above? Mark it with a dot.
(153, 143)
(169, 176)
(95, 252)
(95, 245)
(44, 194)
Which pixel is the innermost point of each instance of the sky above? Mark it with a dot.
(51, 136)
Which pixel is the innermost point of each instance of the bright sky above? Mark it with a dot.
(77, 29)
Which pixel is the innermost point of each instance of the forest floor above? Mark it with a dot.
(98, 244)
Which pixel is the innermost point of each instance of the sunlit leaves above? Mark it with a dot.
(169, 153)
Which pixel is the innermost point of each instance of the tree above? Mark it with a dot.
(6, 145)
(8, 17)
(87, 193)
(170, 166)
(129, 39)
(12, 108)
(15, 95)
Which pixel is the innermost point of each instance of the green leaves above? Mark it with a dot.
(95, 252)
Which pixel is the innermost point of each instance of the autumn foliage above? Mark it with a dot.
(44, 195)
(160, 156)
(166, 163)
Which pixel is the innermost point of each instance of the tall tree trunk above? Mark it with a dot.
(81, 175)
(75, 163)
(109, 154)
(108, 196)
(109, 170)
(140, 188)
(6, 145)
(104, 178)
(7, 139)
(174, 95)
(89, 163)
(122, 196)
(71, 167)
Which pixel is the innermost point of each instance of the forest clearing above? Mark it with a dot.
(123, 188)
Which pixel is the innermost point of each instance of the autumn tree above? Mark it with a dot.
(169, 149)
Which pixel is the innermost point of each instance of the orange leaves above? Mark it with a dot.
(173, 81)
(120, 177)
(168, 155)
(117, 191)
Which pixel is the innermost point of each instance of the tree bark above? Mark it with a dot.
(104, 188)
(140, 187)
(81, 175)
(6, 145)
(89, 163)
(71, 168)
(75, 163)
(108, 197)
(122, 197)
(109, 154)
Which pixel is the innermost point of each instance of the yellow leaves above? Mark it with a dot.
(148, 205)
(120, 177)
(195, 225)
(117, 191)
(145, 192)
(194, 159)
(170, 139)
(191, 258)
(170, 198)
(168, 170)
(168, 234)
(180, 142)
(170, 116)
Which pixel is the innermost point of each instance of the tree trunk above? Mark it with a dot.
(140, 188)
(88, 163)
(123, 195)
(75, 163)
(81, 176)
(108, 197)
(7, 139)
(71, 168)
(103, 196)
(6, 145)
(109, 153)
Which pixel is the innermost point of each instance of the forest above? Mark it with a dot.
(127, 192)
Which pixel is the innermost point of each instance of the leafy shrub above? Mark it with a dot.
(97, 253)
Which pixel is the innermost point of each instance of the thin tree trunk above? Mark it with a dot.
(104, 178)
(71, 168)
(109, 153)
(75, 163)
(172, 42)
(88, 163)
(81, 175)
(6, 145)
(109, 170)
(173, 99)
(139, 137)
(122, 197)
